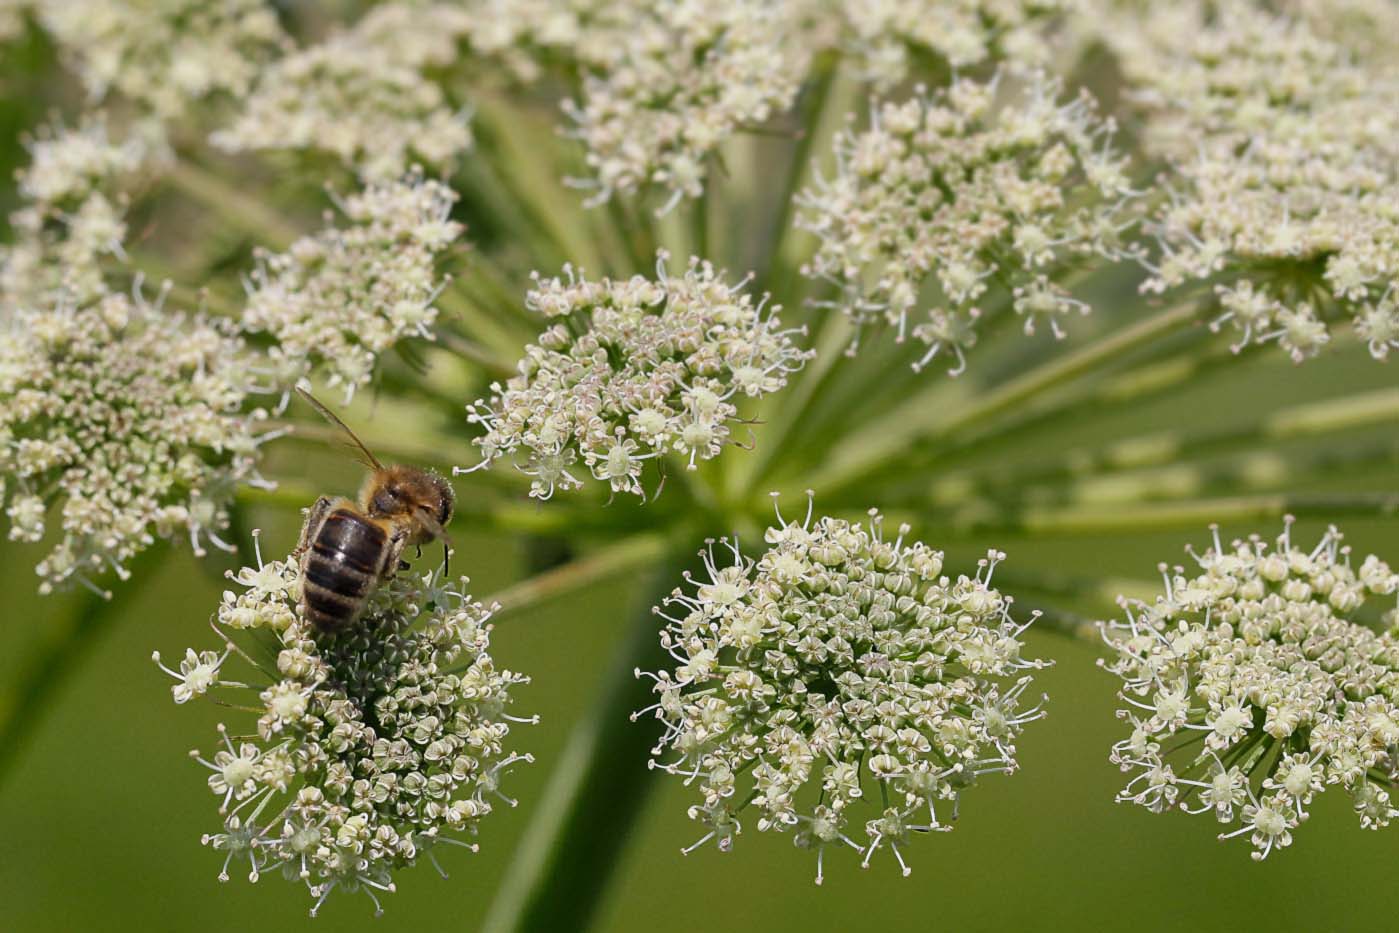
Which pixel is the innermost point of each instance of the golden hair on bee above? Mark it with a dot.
(348, 548)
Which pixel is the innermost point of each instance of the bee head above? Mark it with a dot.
(408, 492)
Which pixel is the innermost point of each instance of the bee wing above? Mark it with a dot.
(370, 461)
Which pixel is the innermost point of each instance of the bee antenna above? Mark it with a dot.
(333, 418)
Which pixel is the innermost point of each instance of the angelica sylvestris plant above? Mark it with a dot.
(372, 749)
(1250, 687)
(839, 685)
(606, 261)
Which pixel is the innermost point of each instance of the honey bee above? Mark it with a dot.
(348, 549)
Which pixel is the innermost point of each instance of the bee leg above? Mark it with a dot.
(446, 559)
(417, 551)
(315, 517)
(403, 565)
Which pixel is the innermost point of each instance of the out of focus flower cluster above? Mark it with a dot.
(949, 195)
(1283, 146)
(372, 749)
(841, 678)
(630, 370)
(73, 217)
(122, 423)
(1250, 688)
(362, 96)
(344, 296)
(164, 54)
(881, 36)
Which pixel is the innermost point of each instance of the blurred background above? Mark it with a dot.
(101, 813)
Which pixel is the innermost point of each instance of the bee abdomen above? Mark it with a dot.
(340, 568)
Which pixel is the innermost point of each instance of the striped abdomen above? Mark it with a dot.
(341, 566)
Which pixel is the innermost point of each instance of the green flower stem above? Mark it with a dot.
(1191, 513)
(637, 236)
(596, 792)
(473, 352)
(814, 107)
(1077, 470)
(889, 437)
(460, 306)
(1140, 386)
(595, 567)
(782, 412)
(68, 642)
(699, 225)
(231, 204)
(529, 187)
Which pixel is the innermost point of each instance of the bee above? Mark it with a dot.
(348, 549)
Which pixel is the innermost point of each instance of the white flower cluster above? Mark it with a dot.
(840, 675)
(372, 747)
(631, 370)
(1249, 688)
(344, 296)
(125, 418)
(881, 34)
(163, 54)
(677, 78)
(73, 218)
(1284, 153)
(361, 96)
(977, 187)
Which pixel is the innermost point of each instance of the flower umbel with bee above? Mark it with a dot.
(1044, 283)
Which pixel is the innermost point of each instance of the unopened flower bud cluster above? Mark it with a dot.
(163, 54)
(840, 687)
(951, 194)
(1249, 688)
(629, 371)
(122, 423)
(339, 299)
(374, 748)
(1284, 149)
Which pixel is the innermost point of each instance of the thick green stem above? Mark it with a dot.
(69, 641)
(595, 795)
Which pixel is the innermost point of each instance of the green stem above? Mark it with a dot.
(1077, 520)
(530, 188)
(890, 436)
(1080, 472)
(42, 679)
(778, 272)
(564, 864)
(232, 204)
(567, 578)
(476, 353)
